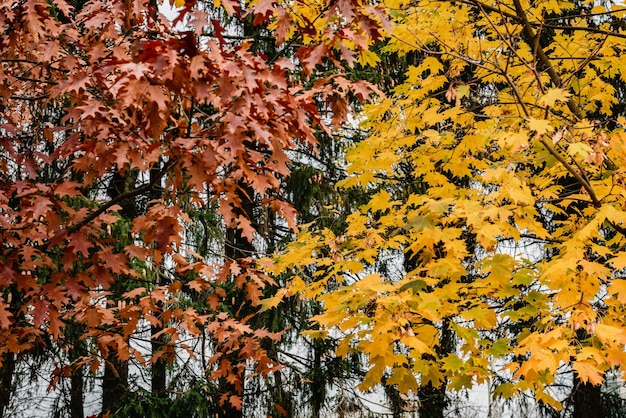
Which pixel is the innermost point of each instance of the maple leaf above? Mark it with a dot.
(540, 126)
(587, 371)
(617, 289)
(554, 95)
(580, 148)
(610, 334)
(499, 212)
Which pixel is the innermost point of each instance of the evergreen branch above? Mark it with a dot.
(132, 193)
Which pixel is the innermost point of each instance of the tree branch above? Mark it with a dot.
(531, 36)
(29, 98)
(571, 170)
(543, 24)
(136, 192)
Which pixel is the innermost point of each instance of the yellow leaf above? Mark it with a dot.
(404, 378)
(619, 261)
(609, 334)
(598, 9)
(463, 91)
(540, 126)
(432, 116)
(554, 95)
(579, 148)
(460, 382)
(315, 333)
(429, 307)
(482, 317)
(588, 372)
(380, 201)
(548, 399)
(373, 375)
(453, 363)
(590, 353)
(429, 63)
(368, 59)
(505, 390)
(417, 345)
(617, 289)
(272, 302)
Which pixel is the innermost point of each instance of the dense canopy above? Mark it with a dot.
(244, 208)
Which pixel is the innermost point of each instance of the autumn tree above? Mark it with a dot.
(174, 120)
(511, 125)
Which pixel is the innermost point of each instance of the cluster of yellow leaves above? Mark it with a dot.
(497, 139)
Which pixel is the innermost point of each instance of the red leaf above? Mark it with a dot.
(283, 26)
(79, 243)
(56, 324)
(282, 411)
(116, 262)
(247, 230)
(231, 6)
(263, 11)
(310, 57)
(218, 31)
(285, 209)
(67, 188)
(75, 287)
(39, 206)
(5, 315)
(39, 312)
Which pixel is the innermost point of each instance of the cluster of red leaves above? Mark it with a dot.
(113, 88)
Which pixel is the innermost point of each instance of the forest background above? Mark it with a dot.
(312, 208)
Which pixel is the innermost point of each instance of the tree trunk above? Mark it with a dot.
(114, 384)
(587, 400)
(397, 405)
(77, 409)
(318, 386)
(237, 247)
(6, 379)
(433, 400)
(115, 379)
(159, 368)
(77, 350)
